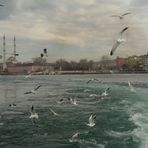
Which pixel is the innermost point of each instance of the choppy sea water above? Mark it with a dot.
(121, 117)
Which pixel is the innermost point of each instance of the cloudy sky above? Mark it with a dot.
(73, 29)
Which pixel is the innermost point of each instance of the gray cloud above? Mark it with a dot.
(73, 29)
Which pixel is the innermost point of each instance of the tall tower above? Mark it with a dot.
(14, 50)
(4, 54)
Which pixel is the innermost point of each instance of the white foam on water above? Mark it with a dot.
(141, 120)
(90, 143)
(118, 134)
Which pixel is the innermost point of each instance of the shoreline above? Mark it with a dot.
(75, 73)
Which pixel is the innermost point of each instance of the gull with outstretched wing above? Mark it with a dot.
(118, 41)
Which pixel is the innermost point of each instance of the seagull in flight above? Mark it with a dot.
(33, 91)
(53, 112)
(28, 76)
(91, 121)
(131, 87)
(60, 101)
(105, 93)
(118, 41)
(34, 116)
(121, 16)
(93, 79)
(74, 137)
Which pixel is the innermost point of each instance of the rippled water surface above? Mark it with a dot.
(121, 117)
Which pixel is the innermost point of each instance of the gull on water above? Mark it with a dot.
(118, 41)
(93, 79)
(53, 112)
(91, 121)
(121, 16)
(74, 137)
(131, 87)
(34, 116)
(33, 91)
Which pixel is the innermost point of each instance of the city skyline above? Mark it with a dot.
(73, 30)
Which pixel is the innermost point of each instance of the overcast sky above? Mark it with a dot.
(73, 29)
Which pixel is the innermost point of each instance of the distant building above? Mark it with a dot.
(135, 63)
(121, 63)
(29, 69)
(144, 59)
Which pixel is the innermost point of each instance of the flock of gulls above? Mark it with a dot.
(92, 118)
(73, 101)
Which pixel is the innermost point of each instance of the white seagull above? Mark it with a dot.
(121, 16)
(118, 41)
(105, 93)
(74, 137)
(60, 101)
(28, 76)
(91, 121)
(34, 116)
(131, 87)
(33, 91)
(53, 112)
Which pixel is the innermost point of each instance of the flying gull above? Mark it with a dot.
(105, 93)
(121, 16)
(28, 76)
(118, 41)
(131, 87)
(60, 101)
(34, 116)
(91, 121)
(74, 137)
(33, 91)
(53, 112)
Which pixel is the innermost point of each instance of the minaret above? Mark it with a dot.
(4, 54)
(14, 52)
